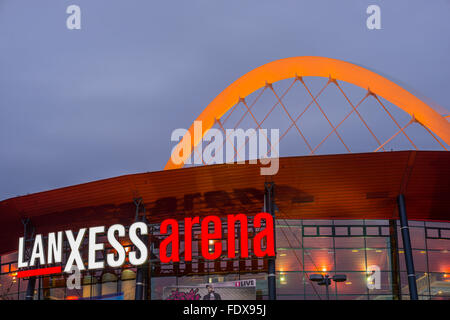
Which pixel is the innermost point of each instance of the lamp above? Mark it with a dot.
(326, 280)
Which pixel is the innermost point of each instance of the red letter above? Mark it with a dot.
(206, 236)
(243, 235)
(172, 239)
(188, 223)
(267, 232)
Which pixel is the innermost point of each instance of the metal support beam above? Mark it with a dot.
(28, 233)
(30, 288)
(395, 266)
(269, 207)
(139, 284)
(148, 284)
(149, 265)
(407, 248)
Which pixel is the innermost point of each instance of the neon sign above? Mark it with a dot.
(211, 232)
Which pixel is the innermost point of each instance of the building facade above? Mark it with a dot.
(304, 247)
(327, 222)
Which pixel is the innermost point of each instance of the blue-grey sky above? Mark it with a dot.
(82, 105)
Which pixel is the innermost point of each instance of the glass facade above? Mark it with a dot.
(369, 252)
(355, 248)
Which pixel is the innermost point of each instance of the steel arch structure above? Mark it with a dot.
(311, 66)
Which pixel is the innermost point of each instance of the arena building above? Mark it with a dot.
(361, 225)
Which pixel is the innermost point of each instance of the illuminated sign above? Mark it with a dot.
(211, 230)
(228, 290)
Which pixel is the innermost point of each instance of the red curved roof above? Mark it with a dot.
(345, 186)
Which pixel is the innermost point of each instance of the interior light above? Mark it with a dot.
(354, 250)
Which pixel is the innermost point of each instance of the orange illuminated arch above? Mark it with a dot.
(316, 67)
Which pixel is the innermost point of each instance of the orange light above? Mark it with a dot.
(283, 278)
(13, 271)
(71, 298)
(310, 67)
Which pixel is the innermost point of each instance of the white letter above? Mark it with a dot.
(94, 247)
(120, 229)
(241, 136)
(374, 279)
(215, 147)
(274, 152)
(198, 131)
(74, 250)
(74, 280)
(20, 262)
(184, 147)
(74, 20)
(138, 243)
(373, 21)
(38, 251)
(54, 248)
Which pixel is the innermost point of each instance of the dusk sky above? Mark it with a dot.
(89, 104)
